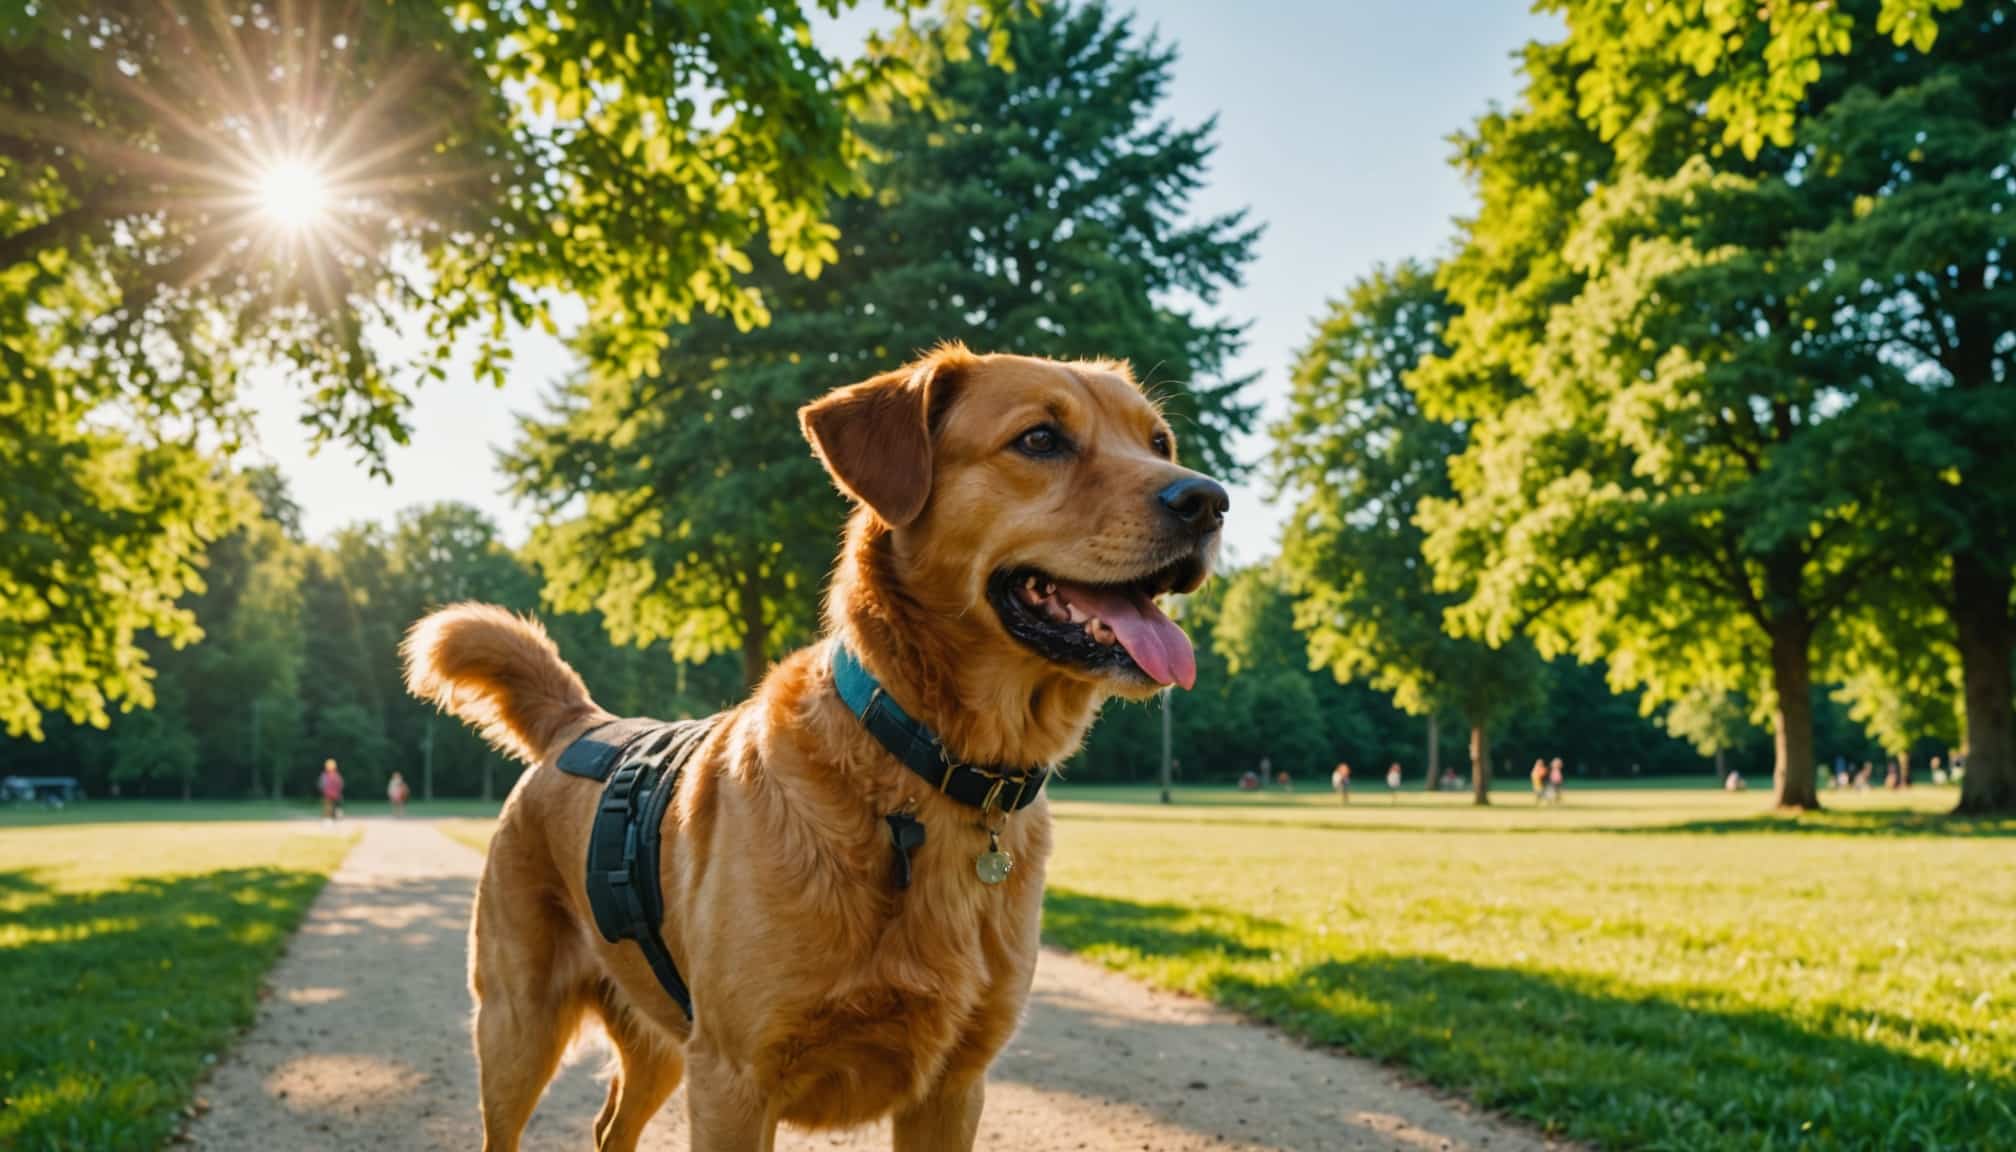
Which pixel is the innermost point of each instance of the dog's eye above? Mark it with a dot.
(1160, 443)
(1042, 440)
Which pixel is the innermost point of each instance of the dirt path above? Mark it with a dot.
(363, 1044)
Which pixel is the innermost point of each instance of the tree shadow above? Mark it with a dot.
(1152, 929)
(1888, 822)
(1594, 1059)
(112, 999)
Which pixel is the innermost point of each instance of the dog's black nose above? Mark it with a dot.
(1198, 502)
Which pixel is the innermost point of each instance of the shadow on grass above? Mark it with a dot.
(111, 1000)
(1893, 823)
(128, 811)
(1585, 1057)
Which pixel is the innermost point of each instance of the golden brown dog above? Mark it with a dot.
(1016, 519)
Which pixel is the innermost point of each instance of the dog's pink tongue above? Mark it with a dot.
(1156, 643)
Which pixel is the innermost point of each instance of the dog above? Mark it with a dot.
(1015, 519)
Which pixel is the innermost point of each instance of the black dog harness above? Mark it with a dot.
(640, 761)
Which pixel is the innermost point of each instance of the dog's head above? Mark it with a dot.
(1034, 508)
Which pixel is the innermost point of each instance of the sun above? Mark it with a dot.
(293, 194)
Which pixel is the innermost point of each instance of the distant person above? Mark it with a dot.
(1393, 777)
(1938, 770)
(397, 792)
(1554, 781)
(1539, 778)
(1340, 782)
(1286, 781)
(1841, 777)
(1734, 782)
(330, 785)
(1862, 777)
(1249, 781)
(1450, 782)
(1890, 774)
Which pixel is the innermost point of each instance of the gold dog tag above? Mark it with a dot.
(994, 864)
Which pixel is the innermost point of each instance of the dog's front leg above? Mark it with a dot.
(726, 1110)
(946, 1120)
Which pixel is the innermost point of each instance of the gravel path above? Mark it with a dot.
(363, 1044)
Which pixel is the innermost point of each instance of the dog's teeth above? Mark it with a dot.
(1101, 632)
(1076, 613)
(1049, 587)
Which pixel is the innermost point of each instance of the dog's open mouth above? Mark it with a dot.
(1115, 627)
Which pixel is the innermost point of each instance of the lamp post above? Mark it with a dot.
(1168, 695)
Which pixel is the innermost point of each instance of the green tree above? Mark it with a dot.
(1038, 208)
(157, 744)
(189, 189)
(1713, 720)
(1909, 155)
(1360, 456)
(1670, 462)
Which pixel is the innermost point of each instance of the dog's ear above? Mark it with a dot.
(875, 437)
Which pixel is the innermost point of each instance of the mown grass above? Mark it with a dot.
(473, 832)
(130, 954)
(207, 811)
(1636, 969)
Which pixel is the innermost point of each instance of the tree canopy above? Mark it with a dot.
(1359, 456)
(1683, 457)
(192, 191)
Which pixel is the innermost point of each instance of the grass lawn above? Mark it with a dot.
(473, 832)
(131, 953)
(1637, 969)
(209, 811)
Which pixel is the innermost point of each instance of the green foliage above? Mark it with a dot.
(126, 974)
(482, 158)
(1359, 455)
(479, 154)
(101, 531)
(298, 662)
(1713, 720)
(1256, 696)
(1687, 457)
(1761, 61)
(1035, 208)
(1650, 969)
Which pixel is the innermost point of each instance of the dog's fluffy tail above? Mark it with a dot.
(497, 672)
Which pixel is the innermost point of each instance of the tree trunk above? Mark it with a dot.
(1981, 610)
(1480, 764)
(755, 633)
(1434, 755)
(1792, 719)
(187, 781)
(1721, 765)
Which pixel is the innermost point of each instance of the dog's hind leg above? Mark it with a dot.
(523, 1018)
(649, 1073)
(518, 1048)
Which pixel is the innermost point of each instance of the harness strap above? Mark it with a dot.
(625, 838)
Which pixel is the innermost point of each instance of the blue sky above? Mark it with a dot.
(1333, 126)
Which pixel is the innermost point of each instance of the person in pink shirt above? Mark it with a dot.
(331, 787)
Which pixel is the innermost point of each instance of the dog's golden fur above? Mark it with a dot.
(824, 995)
